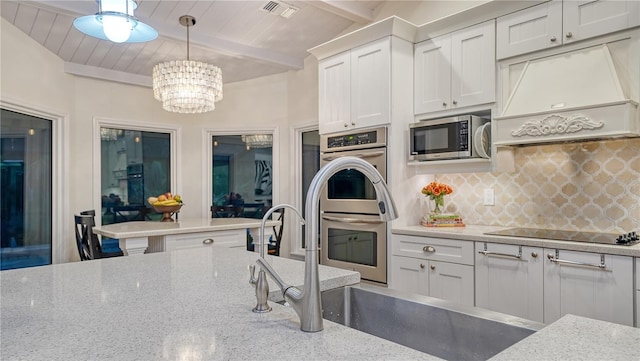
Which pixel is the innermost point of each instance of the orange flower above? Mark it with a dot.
(435, 189)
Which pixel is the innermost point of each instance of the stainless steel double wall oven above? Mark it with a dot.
(352, 234)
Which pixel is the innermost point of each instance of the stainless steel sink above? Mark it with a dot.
(437, 327)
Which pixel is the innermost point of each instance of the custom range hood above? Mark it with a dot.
(579, 95)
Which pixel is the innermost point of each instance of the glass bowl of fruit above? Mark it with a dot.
(167, 204)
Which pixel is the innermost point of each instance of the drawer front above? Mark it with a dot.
(232, 238)
(437, 249)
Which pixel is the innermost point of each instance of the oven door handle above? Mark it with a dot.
(352, 220)
(358, 155)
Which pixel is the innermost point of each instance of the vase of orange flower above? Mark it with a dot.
(436, 192)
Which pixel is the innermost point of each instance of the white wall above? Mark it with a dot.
(32, 76)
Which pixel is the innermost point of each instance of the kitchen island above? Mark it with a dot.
(192, 304)
(195, 304)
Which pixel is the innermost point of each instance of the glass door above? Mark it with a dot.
(26, 167)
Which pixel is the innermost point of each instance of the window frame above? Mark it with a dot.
(174, 132)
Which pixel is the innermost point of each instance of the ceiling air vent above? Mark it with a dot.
(279, 8)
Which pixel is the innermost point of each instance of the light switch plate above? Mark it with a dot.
(489, 197)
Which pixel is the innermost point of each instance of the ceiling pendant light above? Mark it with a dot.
(114, 21)
(187, 86)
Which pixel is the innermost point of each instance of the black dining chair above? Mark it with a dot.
(274, 247)
(88, 243)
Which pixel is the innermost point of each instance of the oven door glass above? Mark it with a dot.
(353, 246)
(350, 184)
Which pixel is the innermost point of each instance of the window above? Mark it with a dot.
(135, 164)
(242, 175)
(26, 187)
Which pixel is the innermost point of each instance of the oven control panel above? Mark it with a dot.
(352, 139)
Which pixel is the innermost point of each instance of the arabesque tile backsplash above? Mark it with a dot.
(591, 186)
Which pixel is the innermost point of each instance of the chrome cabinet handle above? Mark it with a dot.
(208, 241)
(534, 254)
(346, 125)
(433, 267)
(353, 123)
(444, 104)
(602, 266)
(569, 35)
(455, 102)
(428, 249)
(553, 39)
(487, 253)
(422, 265)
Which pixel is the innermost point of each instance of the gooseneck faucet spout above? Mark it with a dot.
(307, 303)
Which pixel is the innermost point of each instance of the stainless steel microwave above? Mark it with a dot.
(465, 136)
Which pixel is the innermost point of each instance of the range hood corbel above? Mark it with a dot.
(568, 97)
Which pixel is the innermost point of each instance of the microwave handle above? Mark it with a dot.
(352, 220)
(359, 155)
(478, 145)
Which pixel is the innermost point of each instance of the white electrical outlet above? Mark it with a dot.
(489, 197)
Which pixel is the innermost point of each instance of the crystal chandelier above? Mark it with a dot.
(115, 21)
(258, 140)
(187, 86)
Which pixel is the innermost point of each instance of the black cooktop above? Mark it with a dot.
(574, 236)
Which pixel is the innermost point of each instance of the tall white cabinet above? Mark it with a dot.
(455, 70)
(509, 279)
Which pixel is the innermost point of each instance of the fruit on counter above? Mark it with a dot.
(166, 199)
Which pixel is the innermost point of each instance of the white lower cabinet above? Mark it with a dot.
(441, 268)
(509, 279)
(229, 238)
(598, 286)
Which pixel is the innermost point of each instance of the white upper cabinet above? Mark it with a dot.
(560, 22)
(455, 70)
(335, 92)
(354, 88)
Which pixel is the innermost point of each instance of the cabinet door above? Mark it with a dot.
(451, 282)
(587, 19)
(601, 293)
(528, 30)
(409, 275)
(510, 284)
(371, 84)
(432, 66)
(231, 238)
(334, 96)
(473, 65)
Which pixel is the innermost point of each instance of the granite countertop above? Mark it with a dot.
(477, 233)
(577, 338)
(189, 225)
(189, 304)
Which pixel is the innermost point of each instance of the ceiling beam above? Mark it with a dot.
(351, 10)
(107, 74)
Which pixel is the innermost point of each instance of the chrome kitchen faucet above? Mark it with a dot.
(306, 302)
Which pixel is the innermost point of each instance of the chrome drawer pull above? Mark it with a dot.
(428, 249)
(208, 241)
(602, 266)
(504, 255)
